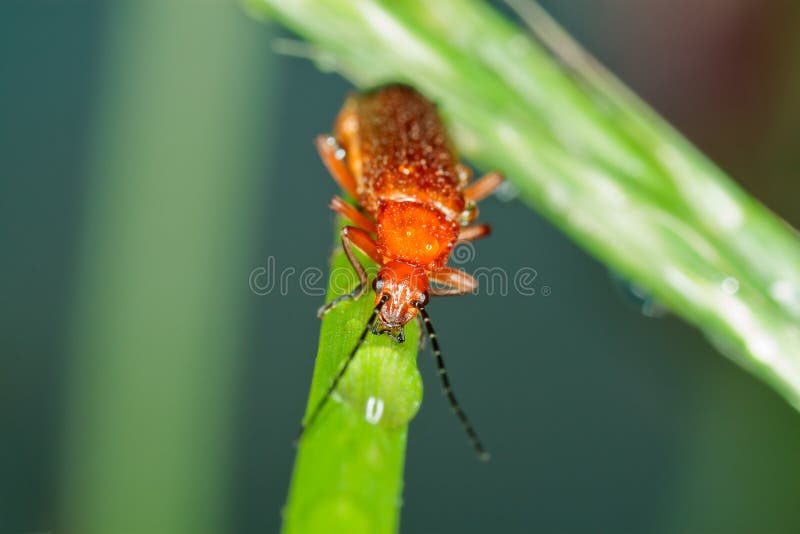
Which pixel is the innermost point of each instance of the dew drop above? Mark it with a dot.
(506, 192)
(730, 285)
(638, 297)
(786, 293)
(374, 410)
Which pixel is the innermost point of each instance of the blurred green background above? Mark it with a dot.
(154, 153)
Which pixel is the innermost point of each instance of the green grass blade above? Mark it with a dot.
(348, 474)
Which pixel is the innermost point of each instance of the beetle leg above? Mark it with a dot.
(347, 211)
(483, 186)
(352, 236)
(471, 233)
(451, 282)
(328, 150)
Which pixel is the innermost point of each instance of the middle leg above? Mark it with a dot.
(471, 233)
(347, 211)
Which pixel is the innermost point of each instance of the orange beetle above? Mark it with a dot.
(391, 153)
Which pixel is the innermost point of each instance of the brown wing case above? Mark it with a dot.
(397, 149)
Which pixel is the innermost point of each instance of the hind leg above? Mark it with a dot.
(483, 187)
(328, 150)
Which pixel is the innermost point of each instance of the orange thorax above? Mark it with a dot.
(414, 233)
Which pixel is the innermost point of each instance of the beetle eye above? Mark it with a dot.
(377, 285)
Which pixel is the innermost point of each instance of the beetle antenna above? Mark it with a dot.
(311, 418)
(448, 391)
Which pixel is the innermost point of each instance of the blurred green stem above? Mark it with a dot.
(163, 276)
(589, 155)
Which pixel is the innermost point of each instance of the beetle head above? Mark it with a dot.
(407, 290)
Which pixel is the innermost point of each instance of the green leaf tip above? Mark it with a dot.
(348, 472)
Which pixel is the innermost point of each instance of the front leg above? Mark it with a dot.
(451, 282)
(352, 236)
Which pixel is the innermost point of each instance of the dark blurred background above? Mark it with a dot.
(155, 152)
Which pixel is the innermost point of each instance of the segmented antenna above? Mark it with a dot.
(318, 409)
(448, 392)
